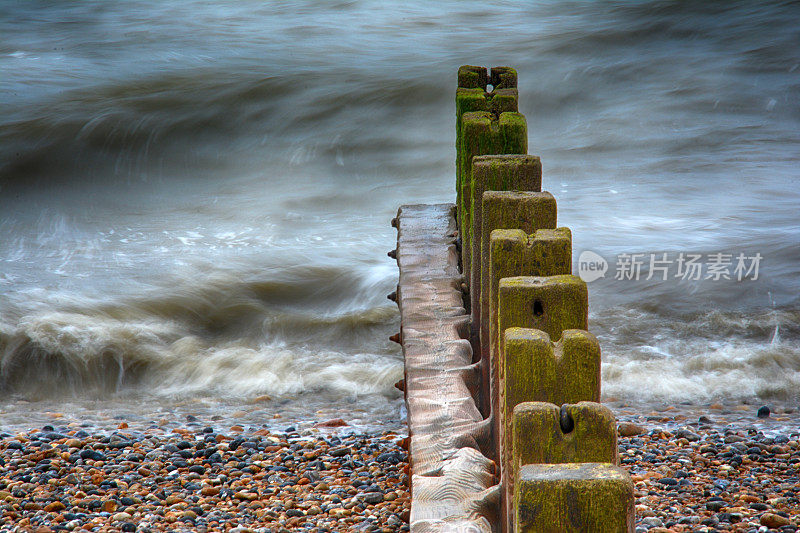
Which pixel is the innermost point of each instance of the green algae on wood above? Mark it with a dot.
(514, 172)
(539, 435)
(526, 251)
(535, 433)
(503, 77)
(512, 252)
(534, 369)
(483, 133)
(472, 95)
(472, 77)
(475, 77)
(552, 304)
(573, 498)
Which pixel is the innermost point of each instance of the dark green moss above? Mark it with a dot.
(503, 77)
(472, 77)
(483, 133)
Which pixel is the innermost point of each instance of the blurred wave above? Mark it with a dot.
(195, 196)
(649, 355)
(264, 337)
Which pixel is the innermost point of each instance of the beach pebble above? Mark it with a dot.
(373, 497)
(652, 521)
(773, 521)
(629, 429)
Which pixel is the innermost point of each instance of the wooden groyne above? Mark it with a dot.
(502, 377)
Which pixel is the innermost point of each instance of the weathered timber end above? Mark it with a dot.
(487, 122)
(586, 497)
(513, 172)
(528, 212)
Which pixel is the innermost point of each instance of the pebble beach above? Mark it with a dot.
(721, 468)
(199, 478)
(724, 471)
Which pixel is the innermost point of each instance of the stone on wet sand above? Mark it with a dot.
(773, 521)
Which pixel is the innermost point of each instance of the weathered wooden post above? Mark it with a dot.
(546, 252)
(551, 304)
(505, 134)
(541, 432)
(472, 95)
(482, 133)
(552, 440)
(573, 498)
(527, 212)
(536, 370)
(502, 173)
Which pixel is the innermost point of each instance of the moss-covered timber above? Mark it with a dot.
(534, 369)
(573, 498)
(503, 173)
(551, 304)
(512, 252)
(584, 432)
(472, 77)
(540, 432)
(564, 373)
(472, 95)
(484, 133)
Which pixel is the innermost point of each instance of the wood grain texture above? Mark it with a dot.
(453, 483)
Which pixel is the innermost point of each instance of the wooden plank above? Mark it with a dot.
(453, 482)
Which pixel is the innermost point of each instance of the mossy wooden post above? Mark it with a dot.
(503, 78)
(523, 210)
(566, 372)
(540, 432)
(472, 77)
(534, 369)
(573, 498)
(551, 304)
(512, 252)
(500, 173)
(484, 133)
(472, 95)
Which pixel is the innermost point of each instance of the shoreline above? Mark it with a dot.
(695, 468)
